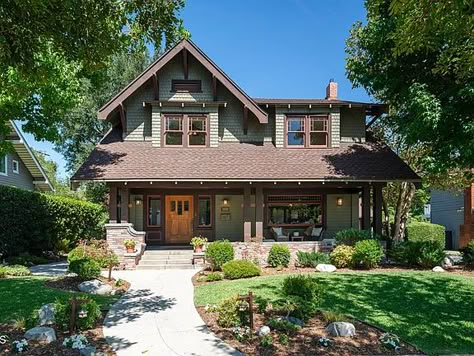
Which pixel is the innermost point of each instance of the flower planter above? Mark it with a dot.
(130, 249)
(197, 249)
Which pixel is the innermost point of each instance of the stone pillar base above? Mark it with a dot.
(117, 234)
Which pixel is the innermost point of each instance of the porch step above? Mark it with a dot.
(165, 262)
(161, 267)
(168, 252)
(148, 257)
(166, 257)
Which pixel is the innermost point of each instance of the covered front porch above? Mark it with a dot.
(171, 213)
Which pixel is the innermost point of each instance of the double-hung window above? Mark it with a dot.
(307, 131)
(186, 130)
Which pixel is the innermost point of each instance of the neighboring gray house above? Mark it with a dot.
(447, 209)
(20, 168)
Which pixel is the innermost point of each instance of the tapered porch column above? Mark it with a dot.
(124, 199)
(377, 209)
(247, 214)
(113, 204)
(259, 209)
(366, 207)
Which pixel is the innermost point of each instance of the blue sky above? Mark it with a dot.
(280, 49)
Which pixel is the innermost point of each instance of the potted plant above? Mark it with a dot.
(198, 242)
(130, 245)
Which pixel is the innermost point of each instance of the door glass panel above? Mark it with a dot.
(180, 207)
(154, 211)
(186, 205)
(173, 205)
(204, 211)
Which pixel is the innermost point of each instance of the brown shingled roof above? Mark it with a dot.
(116, 160)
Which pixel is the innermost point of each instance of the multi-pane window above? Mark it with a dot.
(185, 130)
(307, 131)
(204, 211)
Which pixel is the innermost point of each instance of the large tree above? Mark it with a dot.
(48, 48)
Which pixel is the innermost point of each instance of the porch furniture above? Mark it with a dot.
(328, 244)
(199, 256)
(314, 233)
(279, 234)
(297, 237)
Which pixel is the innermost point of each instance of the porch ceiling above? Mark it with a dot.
(116, 160)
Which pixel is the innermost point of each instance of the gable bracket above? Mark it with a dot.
(246, 119)
(185, 63)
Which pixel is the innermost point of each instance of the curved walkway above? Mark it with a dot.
(157, 317)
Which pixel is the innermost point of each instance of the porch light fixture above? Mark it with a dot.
(138, 202)
(339, 201)
(225, 201)
(130, 205)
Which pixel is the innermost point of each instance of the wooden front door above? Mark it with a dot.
(179, 219)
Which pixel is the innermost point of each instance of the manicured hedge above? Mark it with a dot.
(424, 231)
(32, 222)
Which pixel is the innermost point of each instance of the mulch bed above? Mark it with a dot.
(70, 284)
(94, 336)
(365, 342)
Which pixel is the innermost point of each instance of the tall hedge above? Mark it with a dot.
(33, 222)
(424, 231)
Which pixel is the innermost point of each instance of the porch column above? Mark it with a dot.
(112, 204)
(124, 204)
(247, 214)
(378, 209)
(259, 209)
(366, 207)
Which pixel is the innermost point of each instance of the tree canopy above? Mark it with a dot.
(418, 57)
(49, 47)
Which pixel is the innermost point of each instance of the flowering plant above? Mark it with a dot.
(19, 346)
(242, 333)
(129, 243)
(324, 341)
(390, 341)
(76, 342)
(210, 308)
(198, 241)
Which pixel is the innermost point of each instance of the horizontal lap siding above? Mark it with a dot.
(22, 180)
(447, 209)
(341, 217)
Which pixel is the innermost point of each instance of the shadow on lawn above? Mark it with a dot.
(417, 308)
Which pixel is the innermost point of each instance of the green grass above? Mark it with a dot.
(20, 296)
(433, 311)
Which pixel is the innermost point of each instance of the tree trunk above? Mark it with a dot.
(386, 220)
(405, 196)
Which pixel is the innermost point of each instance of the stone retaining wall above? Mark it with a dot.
(116, 235)
(258, 251)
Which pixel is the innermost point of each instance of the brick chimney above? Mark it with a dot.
(331, 90)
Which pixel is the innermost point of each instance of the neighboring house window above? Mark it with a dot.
(15, 167)
(204, 212)
(3, 166)
(189, 86)
(154, 211)
(194, 129)
(307, 131)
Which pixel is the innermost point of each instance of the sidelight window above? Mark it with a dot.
(204, 211)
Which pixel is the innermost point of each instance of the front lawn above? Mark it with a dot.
(435, 312)
(20, 296)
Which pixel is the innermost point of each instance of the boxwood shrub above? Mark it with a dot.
(33, 222)
(240, 269)
(425, 231)
(279, 255)
(85, 268)
(219, 252)
(367, 253)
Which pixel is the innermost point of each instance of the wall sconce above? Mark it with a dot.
(138, 202)
(130, 205)
(225, 201)
(339, 201)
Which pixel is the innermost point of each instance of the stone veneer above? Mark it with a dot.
(116, 235)
(258, 251)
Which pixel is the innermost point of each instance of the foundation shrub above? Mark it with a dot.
(85, 268)
(351, 236)
(237, 269)
(341, 256)
(279, 256)
(418, 231)
(219, 252)
(311, 259)
(367, 254)
(426, 254)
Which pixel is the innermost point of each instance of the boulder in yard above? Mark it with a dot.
(292, 320)
(323, 267)
(341, 328)
(264, 330)
(41, 333)
(95, 287)
(438, 269)
(46, 314)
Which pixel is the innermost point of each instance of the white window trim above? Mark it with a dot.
(5, 159)
(17, 170)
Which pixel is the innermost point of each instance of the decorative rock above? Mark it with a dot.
(322, 267)
(341, 328)
(46, 314)
(292, 320)
(264, 330)
(89, 351)
(41, 333)
(447, 263)
(438, 269)
(95, 287)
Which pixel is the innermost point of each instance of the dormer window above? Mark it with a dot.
(307, 131)
(186, 130)
(187, 86)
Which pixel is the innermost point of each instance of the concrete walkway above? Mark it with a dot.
(54, 269)
(157, 317)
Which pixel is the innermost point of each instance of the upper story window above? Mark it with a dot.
(3, 166)
(186, 130)
(307, 131)
(15, 166)
(190, 86)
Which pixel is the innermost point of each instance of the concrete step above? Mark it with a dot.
(161, 267)
(171, 247)
(164, 262)
(165, 257)
(168, 252)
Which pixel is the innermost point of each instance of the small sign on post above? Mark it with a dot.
(249, 299)
(75, 303)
